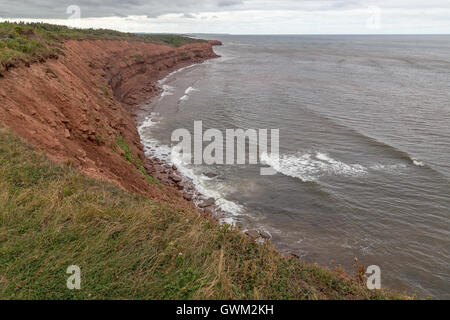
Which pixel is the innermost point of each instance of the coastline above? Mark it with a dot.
(85, 112)
(78, 109)
(168, 173)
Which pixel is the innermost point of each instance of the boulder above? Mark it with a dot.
(252, 233)
(207, 203)
(175, 178)
(208, 213)
(187, 196)
(295, 255)
(210, 174)
(265, 235)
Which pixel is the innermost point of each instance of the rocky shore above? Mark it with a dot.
(170, 175)
(78, 107)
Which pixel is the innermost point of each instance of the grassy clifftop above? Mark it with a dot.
(29, 42)
(127, 246)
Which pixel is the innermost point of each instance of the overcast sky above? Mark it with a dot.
(240, 16)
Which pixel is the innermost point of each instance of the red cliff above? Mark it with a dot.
(76, 107)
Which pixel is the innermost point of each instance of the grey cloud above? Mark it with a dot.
(188, 16)
(229, 3)
(97, 8)
(154, 8)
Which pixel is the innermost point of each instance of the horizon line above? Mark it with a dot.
(11, 20)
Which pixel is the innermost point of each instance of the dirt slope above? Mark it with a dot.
(77, 107)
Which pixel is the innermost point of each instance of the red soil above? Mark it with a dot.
(76, 106)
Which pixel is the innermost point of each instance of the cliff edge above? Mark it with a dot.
(77, 106)
(71, 93)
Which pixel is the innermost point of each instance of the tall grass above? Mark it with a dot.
(127, 246)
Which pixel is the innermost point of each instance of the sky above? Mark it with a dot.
(240, 16)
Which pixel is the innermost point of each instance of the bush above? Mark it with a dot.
(27, 42)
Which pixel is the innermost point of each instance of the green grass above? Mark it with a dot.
(134, 159)
(127, 246)
(31, 42)
(171, 39)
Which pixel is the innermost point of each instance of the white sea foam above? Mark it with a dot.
(164, 80)
(205, 185)
(418, 163)
(308, 167)
(392, 168)
(189, 90)
(148, 122)
(210, 188)
(167, 90)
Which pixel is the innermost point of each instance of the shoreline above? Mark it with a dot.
(78, 111)
(170, 174)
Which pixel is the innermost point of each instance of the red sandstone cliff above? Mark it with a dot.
(76, 106)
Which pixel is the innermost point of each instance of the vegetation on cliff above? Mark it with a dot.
(127, 246)
(30, 42)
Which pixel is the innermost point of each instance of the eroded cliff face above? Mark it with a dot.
(132, 68)
(77, 107)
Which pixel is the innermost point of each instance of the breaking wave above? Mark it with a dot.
(207, 187)
(164, 80)
(148, 122)
(309, 167)
(167, 90)
(187, 92)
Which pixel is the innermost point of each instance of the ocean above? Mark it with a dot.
(364, 167)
